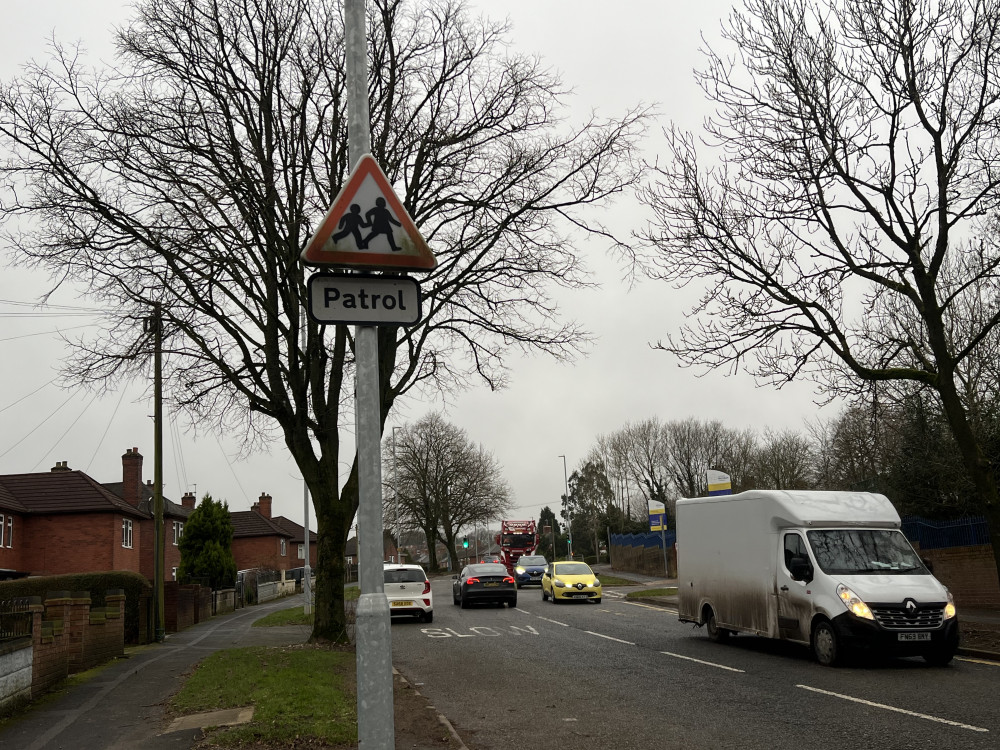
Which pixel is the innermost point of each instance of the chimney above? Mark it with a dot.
(61, 466)
(264, 505)
(187, 500)
(132, 477)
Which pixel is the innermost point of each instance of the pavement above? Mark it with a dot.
(124, 705)
(970, 618)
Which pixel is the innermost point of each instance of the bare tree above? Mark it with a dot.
(639, 463)
(845, 231)
(785, 461)
(189, 177)
(445, 483)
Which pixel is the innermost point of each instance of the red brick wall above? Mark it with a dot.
(59, 651)
(264, 552)
(970, 573)
(80, 543)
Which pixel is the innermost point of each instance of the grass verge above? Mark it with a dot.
(668, 591)
(296, 692)
(297, 615)
(608, 580)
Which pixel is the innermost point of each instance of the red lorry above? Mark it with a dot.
(516, 538)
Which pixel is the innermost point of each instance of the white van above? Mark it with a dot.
(831, 570)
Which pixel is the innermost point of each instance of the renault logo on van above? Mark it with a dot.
(910, 606)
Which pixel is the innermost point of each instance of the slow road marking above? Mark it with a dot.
(894, 708)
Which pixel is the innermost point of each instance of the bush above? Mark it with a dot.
(135, 586)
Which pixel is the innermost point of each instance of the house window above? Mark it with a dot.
(1, 529)
(283, 549)
(127, 533)
(302, 552)
(178, 531)
(10, 531)
(173, 572)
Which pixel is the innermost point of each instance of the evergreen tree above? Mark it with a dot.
(207, 546)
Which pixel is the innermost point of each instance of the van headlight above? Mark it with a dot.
(519, 571)
(949, 608)
(853, 603)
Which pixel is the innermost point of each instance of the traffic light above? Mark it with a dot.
(465, 542)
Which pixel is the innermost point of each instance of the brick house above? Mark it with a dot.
(140, 496)
(64, 521)
(259, 541)
(297, 542)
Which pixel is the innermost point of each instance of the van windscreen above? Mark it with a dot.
(864, 551)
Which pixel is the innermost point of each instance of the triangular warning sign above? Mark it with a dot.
(367, 227)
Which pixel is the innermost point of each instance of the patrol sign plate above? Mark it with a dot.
(364, 299)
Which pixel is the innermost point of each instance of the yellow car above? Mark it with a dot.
(570, 580)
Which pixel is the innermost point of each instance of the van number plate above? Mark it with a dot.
(914, 636)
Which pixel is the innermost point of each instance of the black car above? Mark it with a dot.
(484, 582)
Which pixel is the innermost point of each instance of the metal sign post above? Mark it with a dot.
(373, 637)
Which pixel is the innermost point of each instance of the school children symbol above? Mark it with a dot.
(368, 227)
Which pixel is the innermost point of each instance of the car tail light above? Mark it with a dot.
(508, 579)
(472, 580)
(427, 587)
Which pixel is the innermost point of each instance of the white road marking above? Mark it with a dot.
(554, 622)
(653, 606)
(978, 661)
(702, 661)
(893, 708)
(599, 635)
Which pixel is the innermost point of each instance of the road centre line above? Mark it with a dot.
(618, 640)
(893, 708)
(653, 606)
(554, 622)
(702, 661)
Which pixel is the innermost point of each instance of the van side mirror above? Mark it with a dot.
(800, 569)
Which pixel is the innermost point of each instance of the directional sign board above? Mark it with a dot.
(367, 227)
(359, 299)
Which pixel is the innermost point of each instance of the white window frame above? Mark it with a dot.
(178, 531)
(1, 529)
(10, 531)
(284, 547)
(127, 533)
(302, 552)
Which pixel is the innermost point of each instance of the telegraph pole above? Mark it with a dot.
(154, 325)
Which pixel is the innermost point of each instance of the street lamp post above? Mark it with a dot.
(395, 484)
(569, 516)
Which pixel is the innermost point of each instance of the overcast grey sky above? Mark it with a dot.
(614, 56)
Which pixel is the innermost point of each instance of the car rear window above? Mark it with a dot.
(405, 575)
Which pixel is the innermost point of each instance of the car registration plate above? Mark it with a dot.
(914, 636)
(490, 584)
(402, 603)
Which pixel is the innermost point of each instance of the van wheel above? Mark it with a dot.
(824, 644)
(715, 633)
